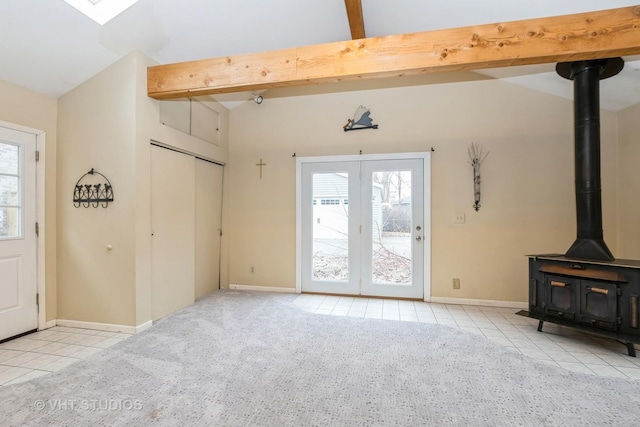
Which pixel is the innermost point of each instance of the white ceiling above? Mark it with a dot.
(48, 46)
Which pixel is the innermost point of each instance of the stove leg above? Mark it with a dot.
(540, 326)
(631, 349)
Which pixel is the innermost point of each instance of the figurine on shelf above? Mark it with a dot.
(361, 120)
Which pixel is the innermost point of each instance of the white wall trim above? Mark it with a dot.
(144, 326)
(483, 302)
(42, 234)
(49, 324)
(108, 327)
(362, 157)
(20, 128)
(298, 226)
(263, 288)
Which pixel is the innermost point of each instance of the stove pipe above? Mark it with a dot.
(586, 76)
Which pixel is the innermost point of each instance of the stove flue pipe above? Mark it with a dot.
(586, 76)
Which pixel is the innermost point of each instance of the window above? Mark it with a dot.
(10, 191)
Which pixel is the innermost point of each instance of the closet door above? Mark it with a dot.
(172, 231)
(208, 212)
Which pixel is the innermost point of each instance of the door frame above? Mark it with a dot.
(426, 159)
(40, 218)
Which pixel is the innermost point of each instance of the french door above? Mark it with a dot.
(362, 227)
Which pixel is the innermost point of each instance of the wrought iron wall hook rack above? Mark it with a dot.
(88, 193)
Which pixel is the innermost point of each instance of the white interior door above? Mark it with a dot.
(172, 231)
(18, 241)
(363, 227)
(208, 212)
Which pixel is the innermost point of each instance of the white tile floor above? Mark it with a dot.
(47, 351)
(50, 350)
(556, 345)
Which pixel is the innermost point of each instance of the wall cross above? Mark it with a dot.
(261, 165)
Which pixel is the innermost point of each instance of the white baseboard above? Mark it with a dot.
(262, 288)
(50, 324)
(108, 327)
(483, 302)
(144, 326)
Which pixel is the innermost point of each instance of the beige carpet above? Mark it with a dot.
(254, 359)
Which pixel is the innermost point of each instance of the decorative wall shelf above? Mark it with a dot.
(361, 120)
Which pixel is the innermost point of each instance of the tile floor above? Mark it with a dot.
(556, 345)
(47, 351)
(50, 350)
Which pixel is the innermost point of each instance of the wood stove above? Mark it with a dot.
(587, 288)
(600, 297)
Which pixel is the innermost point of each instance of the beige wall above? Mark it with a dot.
(629, 184)
(27, 108)
(107, 123)
(527, 179)
(96, 125)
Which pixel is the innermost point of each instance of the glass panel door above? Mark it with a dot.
(393, 248)
(330, 222)
(363, 228)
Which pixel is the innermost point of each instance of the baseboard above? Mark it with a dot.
(262, 288)
(108, 327)
(483, 302)
(50, 324)
(144, 326)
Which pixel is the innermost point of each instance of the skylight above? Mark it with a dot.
(101, 11)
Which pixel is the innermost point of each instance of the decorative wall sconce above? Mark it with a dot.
(361, 120)
(92, 194)
(476, 157)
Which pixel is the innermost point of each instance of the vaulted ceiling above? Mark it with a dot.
(50, 47)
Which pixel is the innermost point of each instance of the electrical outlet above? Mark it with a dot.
(458, 218)
(456, 283)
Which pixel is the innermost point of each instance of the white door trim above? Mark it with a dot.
(40, 216)
(426, 158)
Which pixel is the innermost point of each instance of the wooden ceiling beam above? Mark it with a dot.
(356, 19)
(592, 35)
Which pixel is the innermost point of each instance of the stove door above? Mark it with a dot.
(598, 304)
(561, 296)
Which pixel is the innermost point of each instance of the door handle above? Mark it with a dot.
(418, 238)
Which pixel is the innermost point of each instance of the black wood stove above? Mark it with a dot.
(586, 288)
(593, 296)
